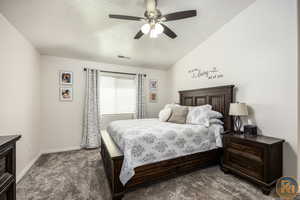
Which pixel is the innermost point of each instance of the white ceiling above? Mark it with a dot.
(81, 28)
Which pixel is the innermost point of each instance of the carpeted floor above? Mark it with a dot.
(79, 175)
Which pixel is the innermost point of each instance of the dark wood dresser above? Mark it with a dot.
(256, 158)
(8, 167)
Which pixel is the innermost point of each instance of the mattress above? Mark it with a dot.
(147, 141)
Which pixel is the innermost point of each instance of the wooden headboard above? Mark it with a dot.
(219, 97)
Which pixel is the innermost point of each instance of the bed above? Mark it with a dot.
(113, 157)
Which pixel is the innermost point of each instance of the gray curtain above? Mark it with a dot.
(91, 136)
(140, 97)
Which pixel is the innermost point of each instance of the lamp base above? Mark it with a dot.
(238, 124)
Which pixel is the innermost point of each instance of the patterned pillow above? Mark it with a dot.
(201, 115)
(178, 115)
(198, 115)
(165, 114)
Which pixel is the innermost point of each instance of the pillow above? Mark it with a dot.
(214, 114)
(215, 121)
(178, 115)
(207, 106)
(199, 115)
(171, 105)
(165, 114)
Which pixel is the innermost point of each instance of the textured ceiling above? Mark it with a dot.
(81, 28)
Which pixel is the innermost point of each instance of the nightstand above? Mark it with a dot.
(255, 158)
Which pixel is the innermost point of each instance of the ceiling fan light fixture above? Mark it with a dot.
(153, 34)
(159, 29)
(154, 20)
(146, 28)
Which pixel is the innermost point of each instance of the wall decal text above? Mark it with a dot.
(209, 74)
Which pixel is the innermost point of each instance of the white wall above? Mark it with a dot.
(298, 6)
(20, 93)
(257, 52)
(62, 121)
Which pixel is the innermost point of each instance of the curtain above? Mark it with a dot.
(140, 97)
(91, 119)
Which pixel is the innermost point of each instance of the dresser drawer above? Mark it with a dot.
(6, 161)
(4, 196)
(251, 151)
(244, 164)
(3, 164)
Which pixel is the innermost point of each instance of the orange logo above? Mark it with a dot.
(287, 188)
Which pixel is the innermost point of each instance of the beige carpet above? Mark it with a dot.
(79, 175)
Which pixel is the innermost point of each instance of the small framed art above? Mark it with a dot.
(66, 94)
(153, 97)
(66, 78)
(153, 84)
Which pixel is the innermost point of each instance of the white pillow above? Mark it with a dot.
(201, 115)
(214, 115)
(171, 105)
(197, 115)
(165, 114)
(215, 121)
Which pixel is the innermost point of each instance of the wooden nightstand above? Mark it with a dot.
(256, 158)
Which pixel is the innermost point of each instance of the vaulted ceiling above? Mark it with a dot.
(81, 28)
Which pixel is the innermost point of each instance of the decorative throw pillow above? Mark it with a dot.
(178, 115)
(214, 115)
(171, 105)
(165, 114)
(198, 115)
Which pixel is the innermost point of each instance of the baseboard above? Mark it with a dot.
(31, 163)
(26, 169)
(61, 150)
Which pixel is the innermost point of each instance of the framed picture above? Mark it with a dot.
(153, 97)
(66, 78)
(66, 94)
(153, 84)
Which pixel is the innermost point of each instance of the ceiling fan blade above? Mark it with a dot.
(138, 35)
(169, 32)
(125, 17)
(180, 15)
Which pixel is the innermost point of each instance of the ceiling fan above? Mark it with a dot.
(155, 20)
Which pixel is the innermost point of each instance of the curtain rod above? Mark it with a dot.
(116, 72)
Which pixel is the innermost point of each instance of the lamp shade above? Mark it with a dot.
(238, 109)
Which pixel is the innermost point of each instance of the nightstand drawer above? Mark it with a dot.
(249, 150)
(244, 164)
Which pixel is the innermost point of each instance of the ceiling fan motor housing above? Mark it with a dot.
(153, 15)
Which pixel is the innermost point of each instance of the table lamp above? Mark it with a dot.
(237, 110)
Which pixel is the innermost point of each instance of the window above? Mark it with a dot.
(117, 95)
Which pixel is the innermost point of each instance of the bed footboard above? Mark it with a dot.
(112, 159)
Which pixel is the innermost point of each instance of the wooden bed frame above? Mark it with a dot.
(219, 97)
